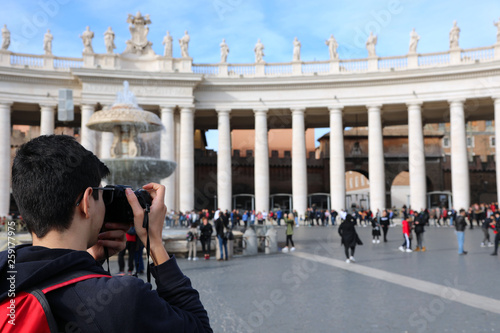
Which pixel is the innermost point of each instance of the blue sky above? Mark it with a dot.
(242, 22)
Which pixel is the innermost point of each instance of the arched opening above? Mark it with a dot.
(281, 201)
(400, 190)
(357, 191)
(319, 200)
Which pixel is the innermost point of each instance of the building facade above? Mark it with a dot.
(453, 86)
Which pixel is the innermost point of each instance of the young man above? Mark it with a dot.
(55, 182)
(460, 226)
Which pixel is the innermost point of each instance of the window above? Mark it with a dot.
(446, 142)
(362, 181)
(492, 141)
(356, 181)
(489, 123)
(350, 182)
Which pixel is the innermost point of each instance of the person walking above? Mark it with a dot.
(349, 237)
(486, 225)
(221, 226)
(419, 225)
(130, 247)
(139, 261)
(385, 222)
(460, 226)
(376, 231)
(406, 246)
(496, 230)
(192, 240)
(289, 233)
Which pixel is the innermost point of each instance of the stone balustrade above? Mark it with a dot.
(302, 68)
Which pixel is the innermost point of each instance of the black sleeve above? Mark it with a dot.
(128, 304)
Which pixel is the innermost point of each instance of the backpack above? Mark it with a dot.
(190, 236)
(29, 311)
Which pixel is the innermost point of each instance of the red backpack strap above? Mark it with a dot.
(60, 281)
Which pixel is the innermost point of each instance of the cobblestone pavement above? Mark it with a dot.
(314, 290)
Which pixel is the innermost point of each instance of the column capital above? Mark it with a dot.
(223, 111)
(188, 109)
(298, 109)
(496, 99)
(336, 107)
(6, 105)
(47, 105)
(413, 104)
(88, 105)
(257, 111)
(374, 107)
(167, 108)
(455, 101)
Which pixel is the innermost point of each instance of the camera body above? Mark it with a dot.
(119, 210)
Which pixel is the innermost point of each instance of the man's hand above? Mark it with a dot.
(113, 238)
(157, 213)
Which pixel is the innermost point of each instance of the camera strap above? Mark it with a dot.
(145, 225)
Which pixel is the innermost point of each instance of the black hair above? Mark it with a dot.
(49, 173)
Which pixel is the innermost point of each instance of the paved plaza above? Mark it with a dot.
(314, 290)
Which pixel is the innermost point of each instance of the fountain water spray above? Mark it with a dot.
(126, 120)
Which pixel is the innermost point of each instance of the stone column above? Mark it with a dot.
(261, 164)
(299, 161)
(337, 159)
(177, 125)
(186, 160)
(416, 160)
(87, 135)
(5, 134)
(47, 120)
(224, 166)
(106, 140)
(497, 144)
(167, 152)
(376, 159)
(459, 163)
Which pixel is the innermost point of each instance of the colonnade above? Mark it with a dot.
(183, 195)
(418, 186)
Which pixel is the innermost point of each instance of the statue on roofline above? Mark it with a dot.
(139, 30)
(5, 37)
(86, 37)
(414, 38)
(454, 35)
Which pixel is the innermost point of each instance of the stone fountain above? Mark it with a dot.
(126, 120)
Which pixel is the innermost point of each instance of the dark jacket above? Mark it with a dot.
(460, 223)
(419, 224)
(108, 304)
(384, 221)
(220, 224)
(206, 231)
(348, 234)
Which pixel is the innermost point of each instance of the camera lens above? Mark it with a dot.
(118, 209)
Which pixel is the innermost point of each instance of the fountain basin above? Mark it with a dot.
(138, 171)
(125, 115)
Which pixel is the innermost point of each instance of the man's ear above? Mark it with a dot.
(84, 206)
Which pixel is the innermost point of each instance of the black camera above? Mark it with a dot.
(117, 207)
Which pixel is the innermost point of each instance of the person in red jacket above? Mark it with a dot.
(406, 246)
(130, 247)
